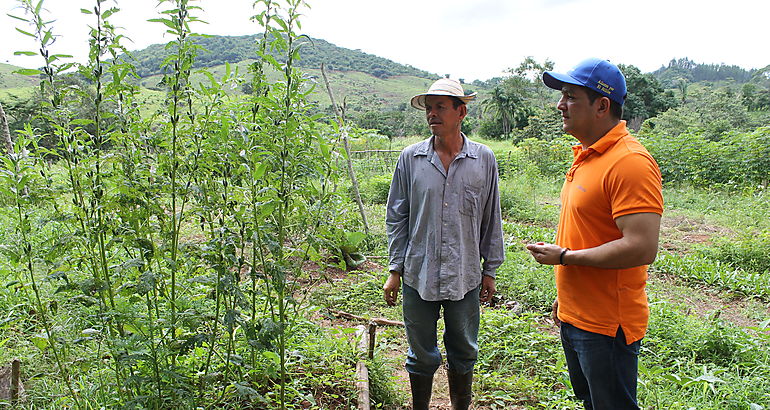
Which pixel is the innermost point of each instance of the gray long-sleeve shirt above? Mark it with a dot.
(440, 224)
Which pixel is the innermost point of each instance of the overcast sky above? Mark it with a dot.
(469, 39)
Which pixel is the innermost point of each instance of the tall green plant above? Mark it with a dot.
(17, 174)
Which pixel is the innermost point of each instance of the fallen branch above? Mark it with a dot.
(377, 257)
(377, 320)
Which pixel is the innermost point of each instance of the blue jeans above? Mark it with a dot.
(461, 331)
(602, 369)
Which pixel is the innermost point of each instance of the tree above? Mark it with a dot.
(646, 97)
(517, 97)
(4, 131)
(711, 113)
(501, 106)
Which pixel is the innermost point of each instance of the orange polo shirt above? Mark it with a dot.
(615, 176)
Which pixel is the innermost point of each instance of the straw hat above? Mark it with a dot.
(444, 86)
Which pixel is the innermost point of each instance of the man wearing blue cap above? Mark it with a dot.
(608, 234)
(445, 241)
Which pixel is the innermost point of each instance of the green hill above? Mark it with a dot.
(218, 50)
(10, 81)
(360, 91)
(364, 82)
(686, 69)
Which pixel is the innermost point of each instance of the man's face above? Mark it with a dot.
(443, 118)
(577, 112)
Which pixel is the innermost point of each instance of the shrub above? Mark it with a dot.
(374, 189)
(738, 158)
(552, 158)
(751, 253)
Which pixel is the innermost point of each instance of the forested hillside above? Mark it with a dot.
(218, 50)
(684, 68)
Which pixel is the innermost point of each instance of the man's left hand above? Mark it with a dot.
(487, 288)
(545, 253)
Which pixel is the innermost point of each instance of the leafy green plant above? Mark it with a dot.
(518, 364)
(17, 176)
(751, 253)
(523, 201)
(382, 381)
(714, 273)
(375, 189)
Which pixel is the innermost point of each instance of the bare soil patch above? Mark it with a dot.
(705, 302)
(678, 232)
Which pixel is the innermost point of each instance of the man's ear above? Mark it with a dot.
(463, 111)
(603, 107)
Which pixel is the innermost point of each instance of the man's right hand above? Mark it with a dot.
(555, 313)
(390, 290)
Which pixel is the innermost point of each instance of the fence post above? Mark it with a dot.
(15, 376)
(372, 334)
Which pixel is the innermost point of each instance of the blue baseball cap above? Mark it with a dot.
(595, 74)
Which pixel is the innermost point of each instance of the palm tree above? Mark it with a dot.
(501, 107)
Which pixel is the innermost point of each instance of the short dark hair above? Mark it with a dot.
(456, 102)
(615, 109)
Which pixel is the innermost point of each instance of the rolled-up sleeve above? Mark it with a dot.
(491, 247)
(397, 217)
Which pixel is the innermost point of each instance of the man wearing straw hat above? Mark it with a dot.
(608, 234)
(445, 242)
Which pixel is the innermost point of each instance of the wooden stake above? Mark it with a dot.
(15, 376)
(344, 135)
(362, 373)
(372, 334)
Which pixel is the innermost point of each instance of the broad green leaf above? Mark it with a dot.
(272, 356)
(40, 341)
(260, 170)
(28, 71)
(81, 122)
(354, 238)
(107, 13)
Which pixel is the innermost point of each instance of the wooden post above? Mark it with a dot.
(15, 376)
(372, 334)
(362, 373)
(344, 133)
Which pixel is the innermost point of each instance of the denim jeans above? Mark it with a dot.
(461, 330)
(602, 369)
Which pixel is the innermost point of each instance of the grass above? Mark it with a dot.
(737, 209)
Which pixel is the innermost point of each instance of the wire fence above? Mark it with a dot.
(380, 161)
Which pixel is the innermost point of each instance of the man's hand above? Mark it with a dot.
(390, 290)
(545, 253)
(555, 313)
(487, 288)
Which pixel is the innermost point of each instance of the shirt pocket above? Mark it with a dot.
(470, 200)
